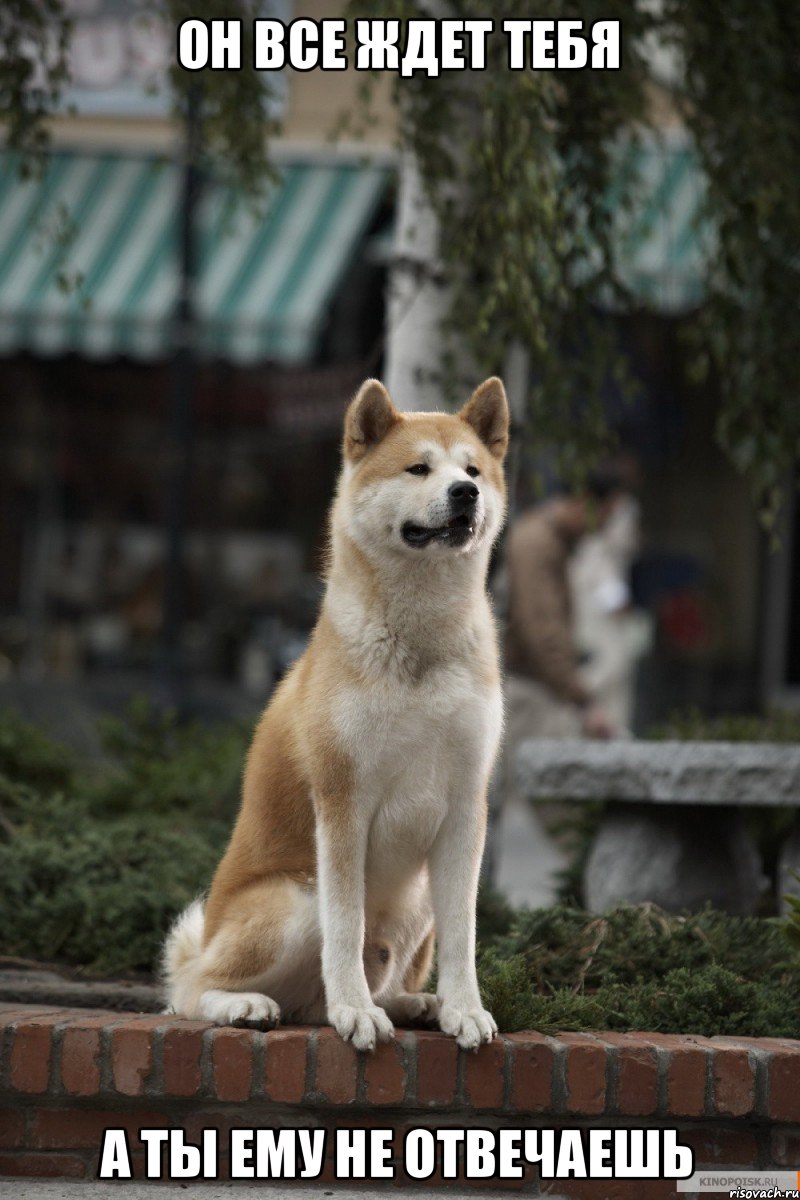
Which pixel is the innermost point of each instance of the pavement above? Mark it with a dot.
(27, 982)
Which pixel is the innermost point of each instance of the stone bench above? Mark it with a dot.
(672, 832)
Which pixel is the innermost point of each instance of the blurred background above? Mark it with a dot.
(174, 364)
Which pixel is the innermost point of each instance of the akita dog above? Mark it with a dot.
(363, 814)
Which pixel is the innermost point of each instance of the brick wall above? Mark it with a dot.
(67, 1074)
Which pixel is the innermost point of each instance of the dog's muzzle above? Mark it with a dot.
(462, 500)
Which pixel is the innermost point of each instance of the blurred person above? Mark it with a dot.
(611, 634)
(546, 693)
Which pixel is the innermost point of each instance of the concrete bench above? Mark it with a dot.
(672, 831)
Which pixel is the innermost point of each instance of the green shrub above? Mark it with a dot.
(567, 947)
(792, 922)
(692, 725)
(708, 1002)
(100, 894)
(95, 863)
(637, 968)
(30, 756)
(160, 765)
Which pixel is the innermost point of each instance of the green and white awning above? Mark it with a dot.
(663, 245)
(88, 257)
(88, 252)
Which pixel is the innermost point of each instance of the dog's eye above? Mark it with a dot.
(472, 471)
(419, 469)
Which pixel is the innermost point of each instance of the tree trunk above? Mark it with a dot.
(417, 300)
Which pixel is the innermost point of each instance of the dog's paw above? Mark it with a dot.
(251, 1009)
(469, 1026)
(361, 1026)
(413, 1006)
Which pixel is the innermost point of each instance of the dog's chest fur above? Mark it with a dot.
(416, 743)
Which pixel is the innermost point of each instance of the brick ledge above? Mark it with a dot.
(63, 1071)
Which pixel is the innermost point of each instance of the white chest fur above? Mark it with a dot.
(416, 750)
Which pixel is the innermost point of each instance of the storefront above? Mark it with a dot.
(288, 316)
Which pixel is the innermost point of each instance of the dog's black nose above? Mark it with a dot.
(462, 495)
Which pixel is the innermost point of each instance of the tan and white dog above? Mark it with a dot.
(364, 802)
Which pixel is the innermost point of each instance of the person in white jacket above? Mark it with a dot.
(610, 633)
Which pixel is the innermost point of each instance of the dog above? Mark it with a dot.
(363, 812)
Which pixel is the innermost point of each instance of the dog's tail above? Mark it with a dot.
(180, 959)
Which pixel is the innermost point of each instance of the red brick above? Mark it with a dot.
(22, 1013)
(194, 1124)
(484, 1072)
(80, 1061)
(132, 1056)
(385, 1073)
(327, 1175)
(610, 1189)
(734, 1083)
(31, 1054)
(12, 1013)
(721, 1147)
(373, 1120)
(87, 1018)
(437, 1064)
(637, 1074)
(67, 1129)
(79, 1129)
(139, 1167)
(285, 1075)
(232, 1063)
(51, 1166)
(585, 1074)
(785, 1147)
(12, 1128)
(686, 1078)
(784, 1086)
(337, 1067)
(781, 1045)
(183, 1047)
(223, 1166)
(143, 1022)
(532, 1062)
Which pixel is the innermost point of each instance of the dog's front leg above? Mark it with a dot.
(454, 865)
(341, 857)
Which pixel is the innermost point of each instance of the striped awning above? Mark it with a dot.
(89, 257)
(662, 243)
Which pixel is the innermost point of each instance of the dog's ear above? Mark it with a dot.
(369, 418)
(487, 412)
